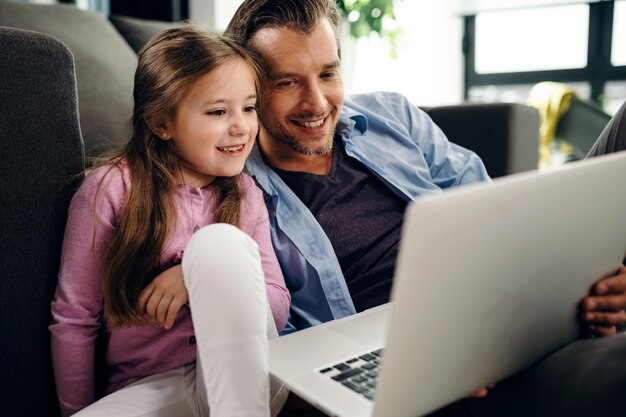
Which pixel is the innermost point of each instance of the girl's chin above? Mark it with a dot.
(228, 172)
(203, 178)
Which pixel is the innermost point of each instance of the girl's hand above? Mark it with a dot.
(162, 299)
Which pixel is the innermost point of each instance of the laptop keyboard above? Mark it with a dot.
(360, 374)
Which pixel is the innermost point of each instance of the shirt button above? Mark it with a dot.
(192, 340)
(196, 228)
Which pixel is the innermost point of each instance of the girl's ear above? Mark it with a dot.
(159, 127)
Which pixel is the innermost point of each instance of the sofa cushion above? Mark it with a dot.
(105, 65)
(138, 31)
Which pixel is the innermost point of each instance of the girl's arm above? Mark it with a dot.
(169, 284)
(77, 305)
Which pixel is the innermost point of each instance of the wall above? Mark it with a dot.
(216, 13)
(429, 67)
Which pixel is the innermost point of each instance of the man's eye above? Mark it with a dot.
(285, 83)
(328, 75)
(218, 112)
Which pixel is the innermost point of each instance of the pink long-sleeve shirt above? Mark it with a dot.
(139, 350)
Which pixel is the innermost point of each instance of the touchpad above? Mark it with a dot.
(365, 328)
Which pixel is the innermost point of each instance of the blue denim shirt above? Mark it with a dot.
(402, 146)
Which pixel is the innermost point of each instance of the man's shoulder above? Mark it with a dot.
(378, 98)
(257, 168)
(384, 104)
(384, 107)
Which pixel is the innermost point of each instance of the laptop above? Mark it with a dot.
(488, 281)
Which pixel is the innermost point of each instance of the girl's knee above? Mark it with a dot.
(218, 250)
(217, 239)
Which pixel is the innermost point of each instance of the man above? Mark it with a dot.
(350, 168)
(613, 137)
(338, 173)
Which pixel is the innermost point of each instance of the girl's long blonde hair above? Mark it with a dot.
(168, 66)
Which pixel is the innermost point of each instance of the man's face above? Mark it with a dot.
(301, 106)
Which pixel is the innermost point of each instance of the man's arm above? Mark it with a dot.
(613, 137)
(603, 310)
(450, 165)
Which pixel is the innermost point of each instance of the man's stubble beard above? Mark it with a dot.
(278, 133)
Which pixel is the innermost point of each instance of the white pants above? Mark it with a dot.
(232, 321)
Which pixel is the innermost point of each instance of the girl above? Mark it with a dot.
(130, 229)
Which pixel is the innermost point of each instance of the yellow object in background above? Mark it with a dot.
(552, 100)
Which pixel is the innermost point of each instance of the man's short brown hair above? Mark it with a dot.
(299, 15)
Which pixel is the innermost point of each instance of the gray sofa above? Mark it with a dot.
(42, 159)
(504, 135)
(105, 62)
(66, 86)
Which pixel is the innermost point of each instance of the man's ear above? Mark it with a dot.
(159, 127)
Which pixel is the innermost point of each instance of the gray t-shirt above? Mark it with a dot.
(362, 218)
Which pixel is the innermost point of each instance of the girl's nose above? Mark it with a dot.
(239, 127)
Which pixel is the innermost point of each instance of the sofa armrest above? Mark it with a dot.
(105, 66)
(504, 135)
(42, 158)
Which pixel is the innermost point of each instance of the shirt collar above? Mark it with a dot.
(350, 119)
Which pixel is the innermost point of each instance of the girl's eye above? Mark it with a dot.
(218, 112)
(249, 109)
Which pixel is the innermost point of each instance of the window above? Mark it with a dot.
(583, 45)
(614, 96)
(618, 52)
(525, 40)
(517, 93)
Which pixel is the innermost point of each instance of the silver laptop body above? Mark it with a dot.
(488, 281)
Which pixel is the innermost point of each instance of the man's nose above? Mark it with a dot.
(313, 99)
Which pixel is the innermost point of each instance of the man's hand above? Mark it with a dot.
(162, 299)
(603, 310)
(482, 392)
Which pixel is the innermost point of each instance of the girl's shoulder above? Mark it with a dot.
(252, 201)
(249, 188)
(111, 178)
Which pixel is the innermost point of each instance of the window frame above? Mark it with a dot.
(598, 71)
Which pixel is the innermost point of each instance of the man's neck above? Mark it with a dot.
(282, 157)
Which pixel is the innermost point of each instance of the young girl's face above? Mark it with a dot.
(216, 124)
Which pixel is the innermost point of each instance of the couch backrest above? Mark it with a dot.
(42, 157)
(137, 32)
(105, 65)
(504, 135)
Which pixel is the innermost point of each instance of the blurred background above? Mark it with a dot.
(450, 51)
(567, 58)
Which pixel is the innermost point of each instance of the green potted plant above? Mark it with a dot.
(366, 16)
